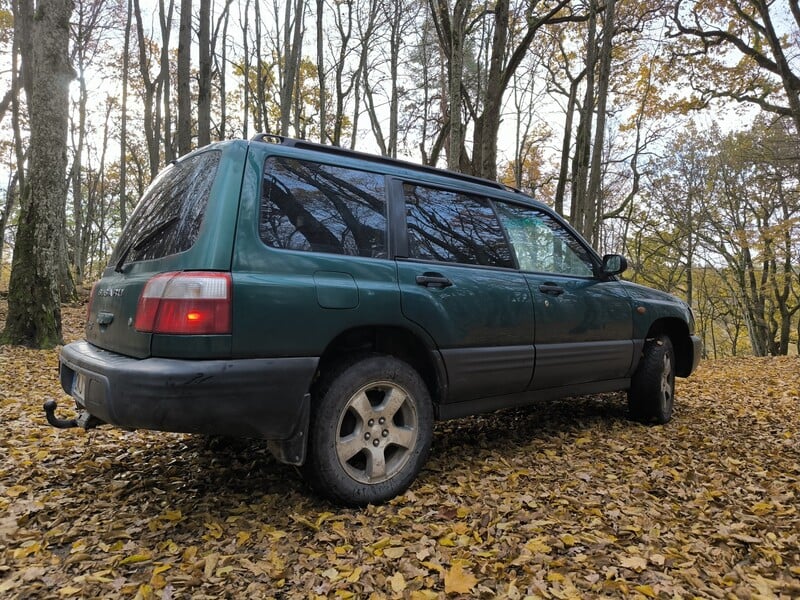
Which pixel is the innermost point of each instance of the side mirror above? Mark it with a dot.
(613, 264)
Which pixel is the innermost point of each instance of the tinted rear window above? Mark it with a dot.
(322, 208)
(454, 227)
(168, 217)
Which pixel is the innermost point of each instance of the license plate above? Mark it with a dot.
(79, 387)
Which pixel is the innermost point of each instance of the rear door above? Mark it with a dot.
(458, 281)
(584, 324)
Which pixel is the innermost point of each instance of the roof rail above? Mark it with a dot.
(295, 143)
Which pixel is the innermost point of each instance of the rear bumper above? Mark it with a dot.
(264, 398)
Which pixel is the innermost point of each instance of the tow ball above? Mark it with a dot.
(84, 419)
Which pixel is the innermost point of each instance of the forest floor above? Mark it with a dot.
(563, 499)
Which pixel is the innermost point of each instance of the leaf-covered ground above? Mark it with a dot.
(561, 500)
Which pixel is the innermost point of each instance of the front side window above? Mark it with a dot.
(168, 217)
(454, 227)
(542, 244)
(322, 208)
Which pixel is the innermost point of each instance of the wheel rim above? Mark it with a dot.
(377, 432)
(666, 381)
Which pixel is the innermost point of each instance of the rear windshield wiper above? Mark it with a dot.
(142, 240)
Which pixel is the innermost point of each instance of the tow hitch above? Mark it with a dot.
(84, 419)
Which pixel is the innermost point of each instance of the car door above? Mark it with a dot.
(584, 323)
(458, 281)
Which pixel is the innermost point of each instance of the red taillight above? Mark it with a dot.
(190, 302)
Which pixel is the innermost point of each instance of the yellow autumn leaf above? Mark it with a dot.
(331, 574)
(397, 582)
(69, 591)
(394, 552)
(210, 564)
(242, 537)
(636, 563)
(537, 546)
(424, 595)
(646, 590)
(457, 580)
(657, 559)
(134, 558)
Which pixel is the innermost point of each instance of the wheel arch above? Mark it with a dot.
(394, 341)
(678, 332)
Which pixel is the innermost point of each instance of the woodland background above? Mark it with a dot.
(663, 129)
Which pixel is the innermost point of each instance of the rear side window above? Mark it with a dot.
(168, 217)
(454, 227)
(322, 208)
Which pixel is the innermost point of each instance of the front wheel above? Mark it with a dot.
(652, 393)
(371, 430)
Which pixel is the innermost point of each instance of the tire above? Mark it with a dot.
(652, 393)
(371, 430)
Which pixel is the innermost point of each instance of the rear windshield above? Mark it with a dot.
(168, 217)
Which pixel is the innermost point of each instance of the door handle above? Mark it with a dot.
(435, 280)
(551, 289)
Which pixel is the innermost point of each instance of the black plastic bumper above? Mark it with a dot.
(264, 398)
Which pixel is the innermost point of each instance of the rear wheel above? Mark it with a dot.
(652, 393)
(371, 429)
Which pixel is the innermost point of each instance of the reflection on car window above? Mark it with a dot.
(168, 217)
(322, 208)
(542, 244)
(454, 227)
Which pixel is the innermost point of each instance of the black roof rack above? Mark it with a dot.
(295, 143)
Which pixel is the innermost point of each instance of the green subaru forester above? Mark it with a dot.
(337, 303)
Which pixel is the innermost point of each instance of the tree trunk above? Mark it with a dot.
(204, 76)
(164, 82)
(184, 125)
(593, 193)
(8, 207)
(580, 169)
(123, 131)
(484, 158)
(292, 43)
(243, 19)
(151, 129)
(34, 309)
(323, 124)
(563, 173)
(455, 77)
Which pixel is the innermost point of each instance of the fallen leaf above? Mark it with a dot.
(458, 580)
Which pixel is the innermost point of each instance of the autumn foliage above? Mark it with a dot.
(565, 499)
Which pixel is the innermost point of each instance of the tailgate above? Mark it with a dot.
(112, 312)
